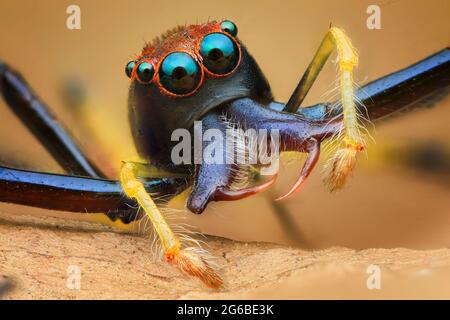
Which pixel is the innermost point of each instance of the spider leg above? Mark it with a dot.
(43, 124)
(419, 85)
(191, 261)
(334, 39)
(80, 194)
(352, 142)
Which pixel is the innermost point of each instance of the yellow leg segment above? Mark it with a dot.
(344, 159)
(348, 59)
(192, 261)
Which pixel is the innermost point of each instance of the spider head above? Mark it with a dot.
(183, 75)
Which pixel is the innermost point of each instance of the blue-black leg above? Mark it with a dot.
(79, 194)
(42, 123)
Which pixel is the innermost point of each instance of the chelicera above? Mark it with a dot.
(204, 73)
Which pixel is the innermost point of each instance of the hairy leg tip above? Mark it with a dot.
(195, 262)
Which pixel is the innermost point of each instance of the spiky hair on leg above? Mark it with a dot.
(189, 261)
(190, 258)
(350, 140)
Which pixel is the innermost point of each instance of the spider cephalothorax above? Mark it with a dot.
(181, 76)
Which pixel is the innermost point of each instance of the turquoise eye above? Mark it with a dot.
(229, 27)
(129, 68)
(179, 73)
(220, 54)
(145, 72)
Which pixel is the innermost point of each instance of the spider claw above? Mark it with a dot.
(294, 189)
(311, 160)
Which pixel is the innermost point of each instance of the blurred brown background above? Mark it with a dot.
(399, 196)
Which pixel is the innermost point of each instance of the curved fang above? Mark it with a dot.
(313, 149)
(223, 194)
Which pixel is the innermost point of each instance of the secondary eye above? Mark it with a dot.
(129, 68)
(179, 73)
(220, 54)
(229, 27)
(145, 72)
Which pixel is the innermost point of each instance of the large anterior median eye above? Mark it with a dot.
(179, 73)
(220, 54)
